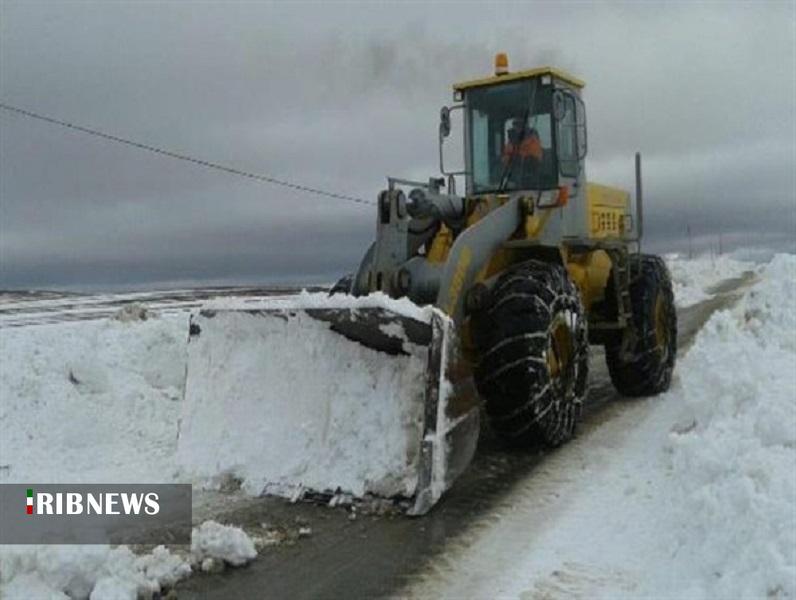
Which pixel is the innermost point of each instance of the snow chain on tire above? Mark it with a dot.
(532, 344)
(645, 368)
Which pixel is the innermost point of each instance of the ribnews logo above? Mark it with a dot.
(95, 514)
(75, 503)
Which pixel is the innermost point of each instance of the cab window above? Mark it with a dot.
(512, 137)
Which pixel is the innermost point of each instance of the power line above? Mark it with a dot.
(184, 157)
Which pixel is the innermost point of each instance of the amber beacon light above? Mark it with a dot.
(501, 63)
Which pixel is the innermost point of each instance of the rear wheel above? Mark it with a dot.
(644, 367)
(532, 344)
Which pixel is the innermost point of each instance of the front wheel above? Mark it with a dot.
(532, 345)
(644, 366)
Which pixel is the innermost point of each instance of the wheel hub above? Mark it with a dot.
(560, 349)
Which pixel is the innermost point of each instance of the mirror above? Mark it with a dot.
(445, 127)
(444, 122)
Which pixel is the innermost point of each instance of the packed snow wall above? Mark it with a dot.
(330, 398)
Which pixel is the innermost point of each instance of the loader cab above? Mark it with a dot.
(523, 131)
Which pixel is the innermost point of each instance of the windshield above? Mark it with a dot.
(512, 140)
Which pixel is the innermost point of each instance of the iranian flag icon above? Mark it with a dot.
(30, 501)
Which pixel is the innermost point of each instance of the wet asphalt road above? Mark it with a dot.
(377, 556)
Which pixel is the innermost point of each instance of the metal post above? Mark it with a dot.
(639, 204)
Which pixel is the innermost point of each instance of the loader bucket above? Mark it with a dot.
(300, 396)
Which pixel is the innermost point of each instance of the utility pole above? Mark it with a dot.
(721, 249)
(690, 242)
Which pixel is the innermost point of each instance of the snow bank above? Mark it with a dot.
(693, 279)
(733, 451)
(94, 401)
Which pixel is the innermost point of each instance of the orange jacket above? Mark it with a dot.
(530, 147)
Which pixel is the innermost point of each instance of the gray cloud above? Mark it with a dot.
(338, 96)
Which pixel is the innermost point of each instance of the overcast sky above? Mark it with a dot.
(338, 96)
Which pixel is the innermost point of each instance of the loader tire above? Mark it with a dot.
(532, 342)
(645, 367)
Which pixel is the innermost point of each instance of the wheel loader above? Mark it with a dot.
(471, 304)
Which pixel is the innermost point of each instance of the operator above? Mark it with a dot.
(527, 146)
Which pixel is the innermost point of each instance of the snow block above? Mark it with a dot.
(323, 398)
